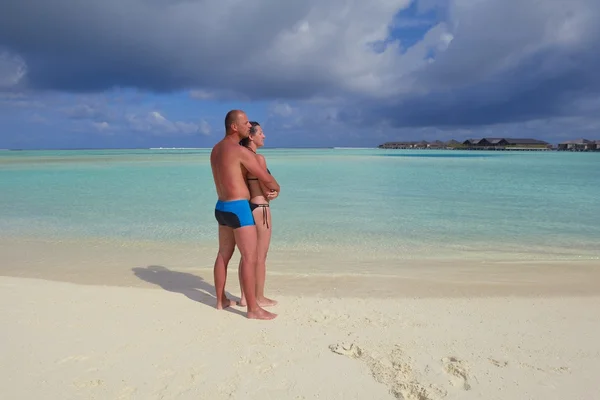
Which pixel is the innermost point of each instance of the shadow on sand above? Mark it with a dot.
(193, 287)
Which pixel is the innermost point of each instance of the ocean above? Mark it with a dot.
(360, 204)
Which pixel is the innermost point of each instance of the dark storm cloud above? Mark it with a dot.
(82, 45)
(509, 61)
(492, 61)
(525, 93)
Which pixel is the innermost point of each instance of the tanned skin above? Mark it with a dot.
(259, 194)
(230, 164)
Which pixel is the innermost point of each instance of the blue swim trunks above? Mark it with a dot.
(234, 214)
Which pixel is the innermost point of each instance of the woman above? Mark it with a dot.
(259, 204)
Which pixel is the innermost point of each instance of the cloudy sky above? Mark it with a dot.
(152, 73)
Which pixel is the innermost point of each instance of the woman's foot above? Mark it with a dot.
(259, 313)
(266, 302)
(224, 303)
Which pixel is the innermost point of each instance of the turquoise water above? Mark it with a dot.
(406, 203)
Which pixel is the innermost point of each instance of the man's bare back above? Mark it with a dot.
(228, 171)
(230, 163)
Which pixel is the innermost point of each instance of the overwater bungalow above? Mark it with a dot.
(473, 144)
(506, 144)
(579, 145)
(423, 144)
(397, 145)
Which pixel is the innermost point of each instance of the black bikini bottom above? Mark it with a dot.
(253, 206)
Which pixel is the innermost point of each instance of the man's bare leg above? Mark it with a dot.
(245, 238)
(263, 242)
(226, 248)
(243, 295)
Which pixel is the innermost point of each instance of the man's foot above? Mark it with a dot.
(266, 302)
(242, 302)
(259, 313)
(225, 303)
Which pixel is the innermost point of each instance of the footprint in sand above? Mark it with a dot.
(126, 393)
(394, 371)
(458, 370)
(73, 358)
(499, 364)
(526, 365)
(350, 350)
(88, 384)
(560, 370)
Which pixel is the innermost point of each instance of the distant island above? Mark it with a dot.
(500, 144)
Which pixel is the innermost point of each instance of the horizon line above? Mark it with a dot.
(171, 148)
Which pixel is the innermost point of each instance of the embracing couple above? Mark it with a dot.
(244, 188)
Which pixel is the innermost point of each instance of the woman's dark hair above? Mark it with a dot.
(246, 141)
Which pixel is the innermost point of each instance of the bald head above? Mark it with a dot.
(236, 122)
(231, 118)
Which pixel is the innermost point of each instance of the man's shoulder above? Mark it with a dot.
(246, 152)
(217, 146)
(235, 152)
(224, 145)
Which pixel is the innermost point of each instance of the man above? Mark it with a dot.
(230, 163)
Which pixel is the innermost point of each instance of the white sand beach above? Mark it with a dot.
(415, 337)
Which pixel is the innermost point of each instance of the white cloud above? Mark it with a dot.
(98, 112)
(333, 42)
(155, 123)
(281, 109)
(12, 69)
(157, 117)
(12, 99)
(294, 49)
(316, 56)
(200, 94)
(101, 126)
(186, 128)
(311, 43)
(204, 128)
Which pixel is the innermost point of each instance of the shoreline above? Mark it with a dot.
(316, 274)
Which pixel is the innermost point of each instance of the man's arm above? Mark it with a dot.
(267, 193)
(250, 162)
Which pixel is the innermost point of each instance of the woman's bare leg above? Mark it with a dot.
(263, 243)
(246, 240)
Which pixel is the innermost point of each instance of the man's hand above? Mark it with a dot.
(272, 195)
